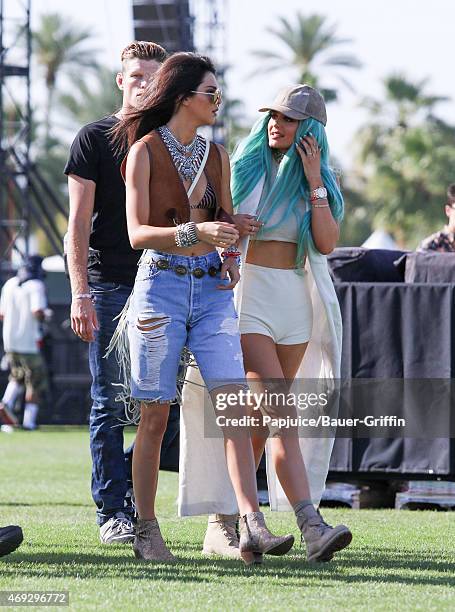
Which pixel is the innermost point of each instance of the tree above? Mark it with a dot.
(233, 114)
(357, 222)
(406, 158)
(309, 45)
(91, 100)
(404, 104)
(57, 45)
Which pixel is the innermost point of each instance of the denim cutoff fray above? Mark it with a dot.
(169, 311)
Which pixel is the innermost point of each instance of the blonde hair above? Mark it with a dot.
(143, 49)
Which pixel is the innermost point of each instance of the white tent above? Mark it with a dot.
(380, 239)
(54, 263)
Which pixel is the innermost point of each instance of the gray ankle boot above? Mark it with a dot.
(256, 538)
(148, 542)
(321, 540)
(221, 536)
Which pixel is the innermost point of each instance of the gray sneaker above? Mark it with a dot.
(130, 505)
(117, 530)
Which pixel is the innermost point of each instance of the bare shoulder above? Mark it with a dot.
(138, 161)
(138, 152)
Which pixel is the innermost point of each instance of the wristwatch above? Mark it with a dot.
(320, 193)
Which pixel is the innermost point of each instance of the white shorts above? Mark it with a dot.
(276, 303)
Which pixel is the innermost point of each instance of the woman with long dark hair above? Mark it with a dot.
(177, 195)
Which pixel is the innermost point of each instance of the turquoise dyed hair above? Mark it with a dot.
(253, 158)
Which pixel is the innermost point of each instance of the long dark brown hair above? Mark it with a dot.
(180, 74)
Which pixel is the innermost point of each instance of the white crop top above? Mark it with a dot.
(288, 231)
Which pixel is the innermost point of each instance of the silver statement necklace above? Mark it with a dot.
(186, 158)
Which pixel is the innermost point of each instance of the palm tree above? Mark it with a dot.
(94, 100)
(404, 104)
(58, 44)
(406, 157)
(310, 43)
(405, 99)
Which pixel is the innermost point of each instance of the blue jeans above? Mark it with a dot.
(176, 303)
(111, 465)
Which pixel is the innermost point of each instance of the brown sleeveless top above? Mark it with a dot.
(169, 203)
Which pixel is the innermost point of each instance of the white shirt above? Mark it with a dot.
(21, 329)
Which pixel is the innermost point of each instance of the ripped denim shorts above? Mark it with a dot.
(176, 304)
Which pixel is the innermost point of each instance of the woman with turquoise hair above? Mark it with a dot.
(288, 206)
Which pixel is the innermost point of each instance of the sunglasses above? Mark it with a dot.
(216, 95)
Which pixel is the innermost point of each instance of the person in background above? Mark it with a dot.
(444, 240)
(102, 266)
(22, 307)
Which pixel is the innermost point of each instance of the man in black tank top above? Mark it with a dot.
(102, 268)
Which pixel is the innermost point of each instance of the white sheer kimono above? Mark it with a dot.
(204, 484)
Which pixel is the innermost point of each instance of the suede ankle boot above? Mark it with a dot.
(148, 542)
(256, 538)
(321, 540)
(221, 536)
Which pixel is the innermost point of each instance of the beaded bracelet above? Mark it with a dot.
(186, 235)
(232, 252)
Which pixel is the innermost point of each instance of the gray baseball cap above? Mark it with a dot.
(299, 102)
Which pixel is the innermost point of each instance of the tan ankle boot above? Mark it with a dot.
(148, 542)
(321, 540)
(221, 536)
(256, 538)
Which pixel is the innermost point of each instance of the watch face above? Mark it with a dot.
(321, 192)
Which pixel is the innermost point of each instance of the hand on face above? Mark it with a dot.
(310, 154)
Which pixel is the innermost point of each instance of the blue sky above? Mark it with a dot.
(410, 36)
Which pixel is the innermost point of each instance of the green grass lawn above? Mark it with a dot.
(399, 560)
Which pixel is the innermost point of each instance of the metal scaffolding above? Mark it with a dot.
(183, 25)
(209, 35)
(26, 197)
(186, 25)
(166, 22)
(209, 29)
(15, 127)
